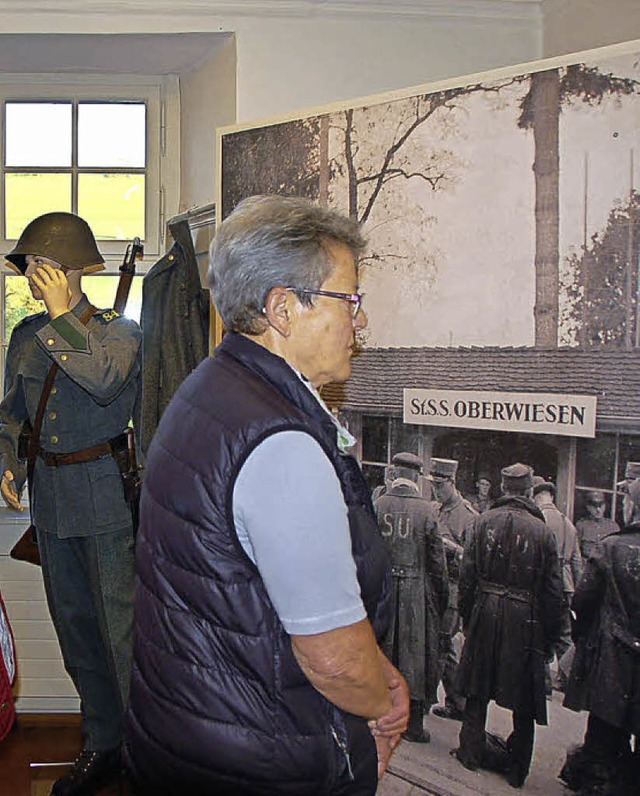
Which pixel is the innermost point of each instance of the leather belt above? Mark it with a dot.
(405, 572)
(84, 455)
(499, 589)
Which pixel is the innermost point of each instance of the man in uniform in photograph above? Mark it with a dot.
(481, 501)
(595, 526)
(512, 606)
(83, 522)
(605, 676)
(384, 488)
(570, 568)
(456, 518)
(408, 525)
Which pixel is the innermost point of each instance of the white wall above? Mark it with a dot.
(299, 54)
(208, 100)
(574, 25)
(285, 65)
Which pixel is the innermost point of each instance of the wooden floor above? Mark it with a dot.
(42, 739)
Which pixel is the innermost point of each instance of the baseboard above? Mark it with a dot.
(48, 719)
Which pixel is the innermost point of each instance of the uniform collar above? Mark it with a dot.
(81, 306)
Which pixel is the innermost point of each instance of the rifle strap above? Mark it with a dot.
(34, 437)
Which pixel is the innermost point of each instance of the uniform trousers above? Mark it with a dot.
(561, 648)
(448, 657)
(89, 584)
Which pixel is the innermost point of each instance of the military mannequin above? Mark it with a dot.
(84, 525)
(408, 525)
(605, 675)
(456, 518)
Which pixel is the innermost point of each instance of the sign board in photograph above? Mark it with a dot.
(533, 413)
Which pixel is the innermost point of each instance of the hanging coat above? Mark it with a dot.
(175, 328)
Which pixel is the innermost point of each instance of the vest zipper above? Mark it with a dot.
(342, 745)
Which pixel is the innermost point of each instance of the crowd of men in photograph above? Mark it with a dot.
(490, 590)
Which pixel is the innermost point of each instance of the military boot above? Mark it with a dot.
(415, 731)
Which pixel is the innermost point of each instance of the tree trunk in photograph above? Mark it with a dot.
(545, 96)
(323, 188)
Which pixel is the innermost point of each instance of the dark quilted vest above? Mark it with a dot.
(218, 701)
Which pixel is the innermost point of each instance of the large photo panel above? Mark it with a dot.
(490, 205)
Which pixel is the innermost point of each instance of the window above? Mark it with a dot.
(83, 157)
(600, 465)
(103, 147)
(382, 437)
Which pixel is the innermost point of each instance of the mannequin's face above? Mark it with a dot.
(34, 261)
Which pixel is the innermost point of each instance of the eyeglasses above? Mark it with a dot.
(355, 299)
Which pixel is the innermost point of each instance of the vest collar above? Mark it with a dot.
(279, 374)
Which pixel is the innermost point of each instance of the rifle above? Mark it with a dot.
(134, 252)
(127, 463)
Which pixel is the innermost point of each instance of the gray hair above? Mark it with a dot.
(271, 241)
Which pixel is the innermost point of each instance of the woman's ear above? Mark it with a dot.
(276, 310)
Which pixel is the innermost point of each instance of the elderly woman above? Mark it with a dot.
(263, 584)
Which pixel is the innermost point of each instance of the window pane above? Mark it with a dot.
(113, 205)
(373, 475)
(595, 462)
(112, 134)
(38, 133)
(375, 438)
(101, 290)
(18, 302)
(28, 196)
(404, 436)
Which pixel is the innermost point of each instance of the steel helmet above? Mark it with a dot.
(63, 237)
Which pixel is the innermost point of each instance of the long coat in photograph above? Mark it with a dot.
(605, 676)
(408, 525)
(511, 603)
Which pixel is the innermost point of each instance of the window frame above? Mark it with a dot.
(160, 93)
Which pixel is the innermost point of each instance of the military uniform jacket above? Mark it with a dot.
(512, 604)
(591, 531)
(605, 676)
(408, 525)
(455, 522)
(91, 401)
(568, 545)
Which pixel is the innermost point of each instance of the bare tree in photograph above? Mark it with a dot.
(541, 107)
(386, 155)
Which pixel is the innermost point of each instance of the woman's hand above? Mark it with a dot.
(395, 722)
(387, 730)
